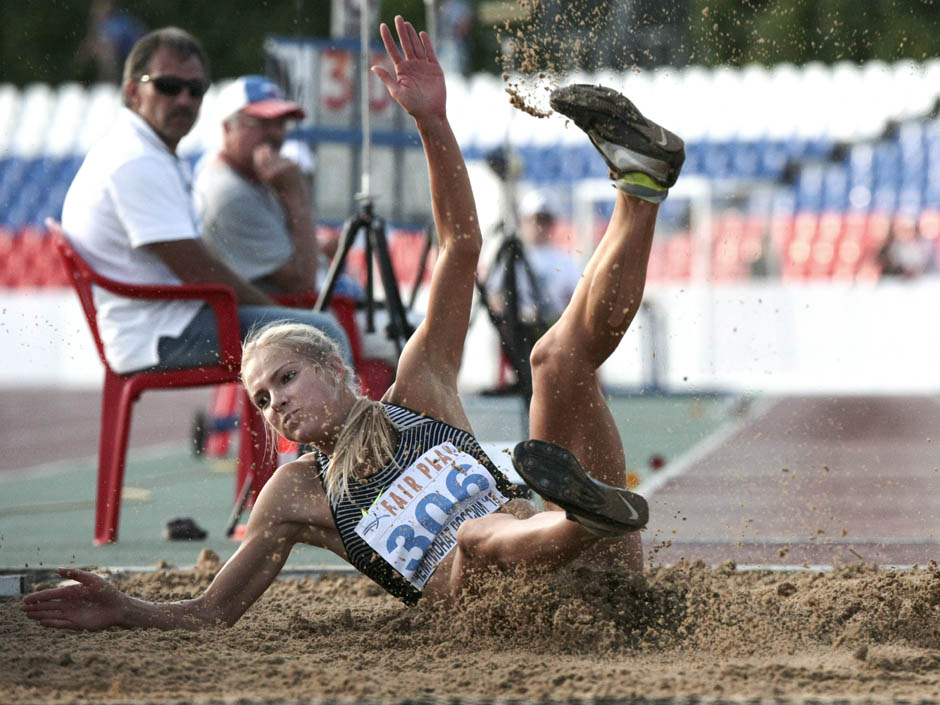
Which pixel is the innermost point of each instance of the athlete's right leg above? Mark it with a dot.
(568, 406)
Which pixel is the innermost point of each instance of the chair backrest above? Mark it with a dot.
(81, 277)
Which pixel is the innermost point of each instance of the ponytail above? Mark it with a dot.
(364, 446)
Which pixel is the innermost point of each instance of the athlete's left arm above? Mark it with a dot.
(427, 369)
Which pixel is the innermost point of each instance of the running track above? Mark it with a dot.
(807, 480)
(799, 480)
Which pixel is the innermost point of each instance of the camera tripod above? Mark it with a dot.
(517, 334)
(399, 329)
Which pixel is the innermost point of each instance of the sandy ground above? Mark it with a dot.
(857, 632)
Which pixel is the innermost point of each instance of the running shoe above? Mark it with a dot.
(644, 158)
(556, 475)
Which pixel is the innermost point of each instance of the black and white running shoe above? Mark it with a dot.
(630, 143)
(555, 474)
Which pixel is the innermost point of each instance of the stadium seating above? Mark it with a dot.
(828, 139)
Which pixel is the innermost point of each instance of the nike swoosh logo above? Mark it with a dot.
(633, 512)
(662, 138)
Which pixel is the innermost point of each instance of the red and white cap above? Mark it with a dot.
(257, 96)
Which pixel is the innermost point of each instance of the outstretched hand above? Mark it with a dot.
(92, 604)
(418, 83)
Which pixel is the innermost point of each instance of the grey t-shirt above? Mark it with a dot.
(243, 222)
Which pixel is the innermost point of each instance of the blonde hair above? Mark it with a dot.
(366, 442)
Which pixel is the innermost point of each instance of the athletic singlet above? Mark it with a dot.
(401, 522)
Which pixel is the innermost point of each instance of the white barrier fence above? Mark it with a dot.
(749, 337)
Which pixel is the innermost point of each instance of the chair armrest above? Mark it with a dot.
(304, 299)
(219, 296)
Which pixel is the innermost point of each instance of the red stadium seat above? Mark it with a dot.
(796, 259)
(256, 463)
(655, 270)
(406, 251)
(781, 230)
(726, 247)
(929, 224)
(877, 229)
(821, 259)
(678, 257)
(848, 258)
(753, 243)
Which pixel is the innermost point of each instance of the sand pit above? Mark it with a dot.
(687, 630)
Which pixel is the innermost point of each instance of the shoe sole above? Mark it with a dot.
(555, 474)
(612, 121)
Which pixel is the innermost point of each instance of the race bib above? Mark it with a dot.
(413, 523)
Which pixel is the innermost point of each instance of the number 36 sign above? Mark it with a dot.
(324, 76)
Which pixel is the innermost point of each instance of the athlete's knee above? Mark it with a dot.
(478, 538)
(548, 352)
(471, 537)
(557, 361)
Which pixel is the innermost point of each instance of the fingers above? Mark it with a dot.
(86, 580)
(44, 613)
(413, 46)
(428, 48)
(390, 45)
(38, 600)
(82, 576)
(410, 42)
(53, 618)
(384, 76)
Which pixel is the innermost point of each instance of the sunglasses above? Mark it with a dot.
(173, 85)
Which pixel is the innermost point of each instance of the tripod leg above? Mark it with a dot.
(399, 326)
(428, 243)
(508, 325)
(350, 229)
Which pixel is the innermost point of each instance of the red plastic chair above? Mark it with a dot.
(120, 391)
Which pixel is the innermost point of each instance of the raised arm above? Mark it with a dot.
(434, 351)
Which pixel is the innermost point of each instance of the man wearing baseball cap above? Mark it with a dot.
(255, 204)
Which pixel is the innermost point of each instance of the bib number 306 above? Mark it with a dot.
(459, 483)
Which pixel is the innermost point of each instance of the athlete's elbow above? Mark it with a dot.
(207, 615)
(467, 243)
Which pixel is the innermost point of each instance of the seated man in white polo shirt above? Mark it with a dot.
(129, 213)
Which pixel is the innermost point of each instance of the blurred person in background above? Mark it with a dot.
(129, 213)
(905, 252)
(555, 270)
(254, 203)
(254, 198)
(454, 23)
(111, 35)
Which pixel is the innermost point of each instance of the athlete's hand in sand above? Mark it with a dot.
(418, 83)
(92, 604)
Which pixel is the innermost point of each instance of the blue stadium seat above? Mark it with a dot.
(885, 198)
(14, 174)
(835, 187)
(745, 159)
(774, 155)
(910, 199)
(809, 188)
(716, 159)
(694, 156)
(886, 163)
(860, 165)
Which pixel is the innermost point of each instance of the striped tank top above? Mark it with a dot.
(398, 524)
